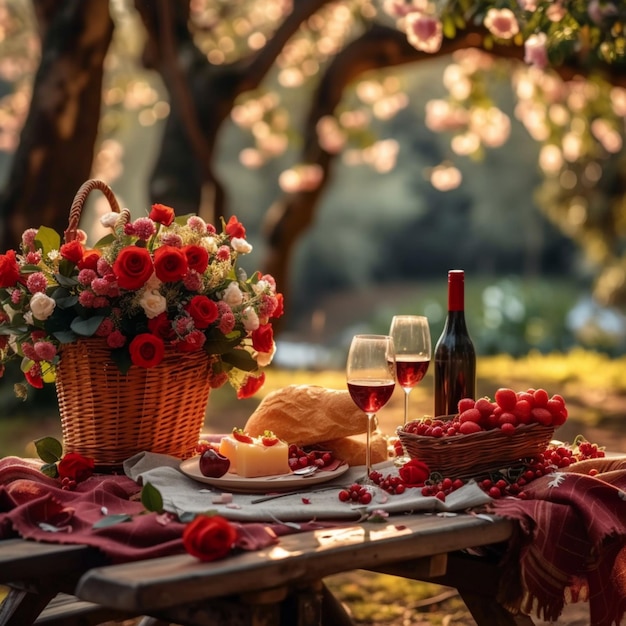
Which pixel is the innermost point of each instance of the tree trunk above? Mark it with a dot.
(57, 142)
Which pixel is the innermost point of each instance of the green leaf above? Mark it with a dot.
(49, 449)
(50, 469)
(65, 281)
(121, 358)
(151, 498)
(65, 336)
(112, 520)
(241, 359)
(48, 238)
(449, 28)
(86, 327)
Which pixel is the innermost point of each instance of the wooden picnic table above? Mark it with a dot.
(278, 585)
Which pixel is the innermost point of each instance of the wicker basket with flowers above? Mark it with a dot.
(137, 329)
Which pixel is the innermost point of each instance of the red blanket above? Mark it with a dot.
(34, 506)
(572, 544)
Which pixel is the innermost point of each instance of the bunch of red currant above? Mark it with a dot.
(356, 493)
(299, 457)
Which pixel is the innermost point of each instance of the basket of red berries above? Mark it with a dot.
(485, 434)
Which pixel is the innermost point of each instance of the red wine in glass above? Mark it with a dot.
(411, 370)
(371, 395)
(370, 378)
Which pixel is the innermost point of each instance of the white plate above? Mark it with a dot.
(262, 484)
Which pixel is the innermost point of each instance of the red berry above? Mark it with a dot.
(467, 428)
(508, 429)
(542, 416)
(506, 398)
(484, 405)
(541, 397)
(465, 403)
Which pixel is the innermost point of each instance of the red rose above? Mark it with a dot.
(251, 387)
(203, 311)
(133, 267)
(235, 228)
(280, 305)
(75, 467)
(9, 269)
(161, 326)
(170, 264)
(209, 538)
(146, 350)
(192, 342)
(72, 251)
(263, 338)
(197, 257)
(162, 214)
(89, 260)
(414, 473)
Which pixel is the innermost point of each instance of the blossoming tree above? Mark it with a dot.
(568, 61)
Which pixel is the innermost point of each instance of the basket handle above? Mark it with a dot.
(79, 199)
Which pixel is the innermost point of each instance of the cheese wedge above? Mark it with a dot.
(255, 459)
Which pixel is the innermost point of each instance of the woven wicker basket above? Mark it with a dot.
(466, 456)
(109, 416)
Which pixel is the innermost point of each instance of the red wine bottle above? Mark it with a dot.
(455, 358)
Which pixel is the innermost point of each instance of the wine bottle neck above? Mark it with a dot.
(456, 293)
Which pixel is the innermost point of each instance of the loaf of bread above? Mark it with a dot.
(307, 414)
(352, 449)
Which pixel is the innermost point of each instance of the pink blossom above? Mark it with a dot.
(16, 296)
(45, 350)
(116, 339)
(598, 11)
(535, 52)
(556, 12)
(144, 228)
(105, 286)
(29, 351)
(103, 268)
(223, 254)
(37, 282)
(172, 239)
(33, 257)
(501, 23)
(267, 306)
(227, 322)
(424, 32)
(527, 5)
(197, 224)
(99, 302)
(183, 325)
(106, 328)
(86, 276)
(210, 229)
(28, 238)
(193, 281)
(399, 8)
(86, 298)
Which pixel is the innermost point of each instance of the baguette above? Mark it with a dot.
(307, 414)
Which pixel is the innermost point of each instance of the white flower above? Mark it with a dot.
(261, 287)
(232, 295)
(210, 244)
(42, 306)
(152, 303)
(250, 319)
(502, 23)
(424, 32)
(240, 245)
(108, 220)
(535, 50)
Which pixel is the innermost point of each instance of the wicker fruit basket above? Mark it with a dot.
(109, 416)
(466, 456)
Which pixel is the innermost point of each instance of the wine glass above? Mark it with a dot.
(411, 338)
(370, 375)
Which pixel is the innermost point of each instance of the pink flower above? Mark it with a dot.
(535, 52)
(556, 12)
(424, 32)
(197, 224)
(45, 350)
(106, 328)
(193, 281)
(86, 276)
(28, 238)
(527, 5)
(142, 227)
(501, 23)
(227, 322)
(172, 239)
(86, 298)
(223, 254)
(33, 258)
(116, 339)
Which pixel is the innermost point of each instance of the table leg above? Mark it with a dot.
(21, 608)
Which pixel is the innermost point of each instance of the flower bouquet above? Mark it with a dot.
(137, 329)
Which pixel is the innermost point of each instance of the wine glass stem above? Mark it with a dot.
(406, 404)
(368, 448)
